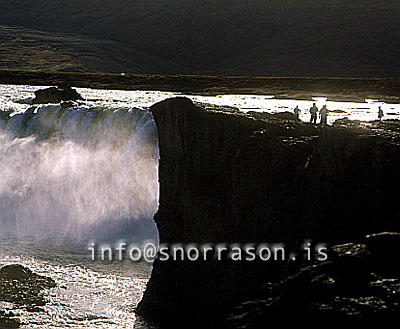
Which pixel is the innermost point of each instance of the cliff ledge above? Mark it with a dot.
(227, 177)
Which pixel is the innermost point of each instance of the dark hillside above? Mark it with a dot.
(274, 38)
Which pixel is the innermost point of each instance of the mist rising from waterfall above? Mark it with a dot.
(79, 172)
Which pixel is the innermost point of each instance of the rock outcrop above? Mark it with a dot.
(55, 95)
(21, 286)
(359, 280)
(228, 178)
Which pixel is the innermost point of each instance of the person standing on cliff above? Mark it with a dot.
(314, 112)
(380, 113)
(297, 113)
(324, 115)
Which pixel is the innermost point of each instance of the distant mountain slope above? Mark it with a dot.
(259, 37)
(28, 49)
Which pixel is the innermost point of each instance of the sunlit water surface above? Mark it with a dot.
(365, 111)
(91, 294)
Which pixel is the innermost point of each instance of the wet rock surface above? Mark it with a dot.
(55, 95)
(359, 280)
(19, 285)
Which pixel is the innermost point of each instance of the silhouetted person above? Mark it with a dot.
(324, 115)
(297, 113)
(314, 112)
(380, 113)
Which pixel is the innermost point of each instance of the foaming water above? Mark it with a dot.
(80, 172)
(69, 176)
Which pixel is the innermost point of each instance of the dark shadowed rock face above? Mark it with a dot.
(228, 178)
(354, 282)
(55, 95)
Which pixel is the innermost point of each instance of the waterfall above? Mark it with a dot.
(82, 172)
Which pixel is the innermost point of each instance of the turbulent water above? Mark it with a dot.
(70, 176)
(89, 173)
(77, 171)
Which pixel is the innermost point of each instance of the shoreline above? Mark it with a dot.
(335, 89)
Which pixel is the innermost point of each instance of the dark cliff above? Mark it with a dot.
(228, 178)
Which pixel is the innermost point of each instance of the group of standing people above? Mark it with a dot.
(323, 113)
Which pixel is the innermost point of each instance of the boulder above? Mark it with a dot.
(15, 272)
(18, 284)
(55, 95)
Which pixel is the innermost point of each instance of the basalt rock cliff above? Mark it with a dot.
(226, 177)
